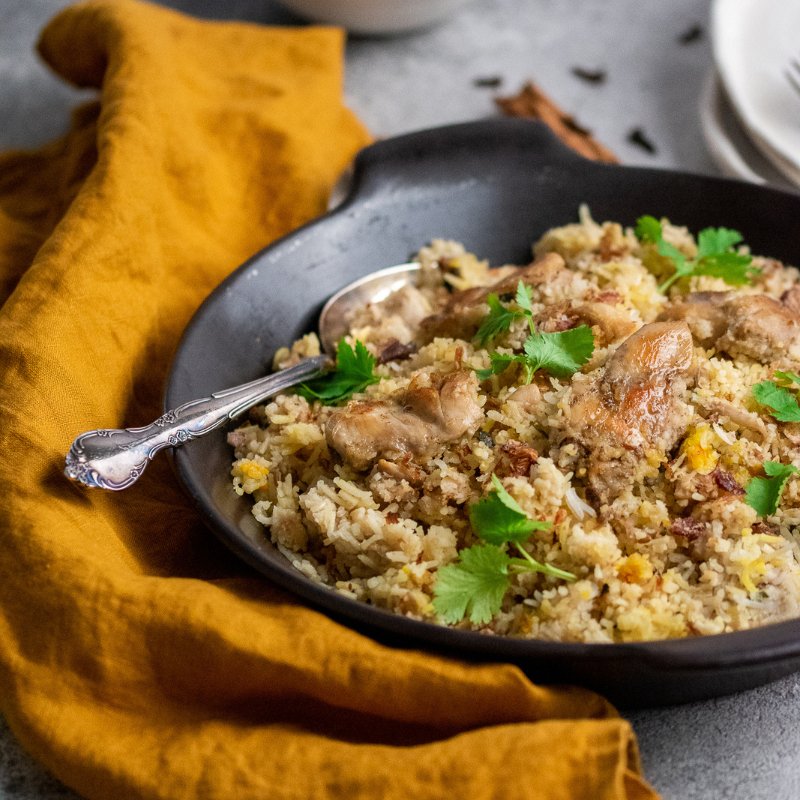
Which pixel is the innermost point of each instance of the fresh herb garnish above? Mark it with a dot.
(781, 402)
(476, 584)
(789, 377)
(498, 321)
(524, 298)
(500, 317)
(354, 371)
(561, 354)
(764, 494)
(715, 256)
(474, 587)
(497, 518)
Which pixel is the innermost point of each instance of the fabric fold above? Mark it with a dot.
(138, 658)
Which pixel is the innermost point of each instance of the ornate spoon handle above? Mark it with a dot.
(114, 459)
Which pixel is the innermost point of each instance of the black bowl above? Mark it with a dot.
(496, 186)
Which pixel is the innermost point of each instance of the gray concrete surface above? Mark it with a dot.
(734, 747)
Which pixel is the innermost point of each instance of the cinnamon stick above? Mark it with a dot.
(533, 103)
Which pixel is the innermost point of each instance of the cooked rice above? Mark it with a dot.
(380, 537)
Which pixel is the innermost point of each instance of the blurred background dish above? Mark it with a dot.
(754, 42)
(377, 17)
(728, 143)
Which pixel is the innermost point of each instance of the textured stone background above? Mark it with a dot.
(740, 746)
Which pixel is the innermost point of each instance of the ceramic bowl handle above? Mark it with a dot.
(436, 156)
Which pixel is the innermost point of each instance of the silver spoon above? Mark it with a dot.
(115, 458)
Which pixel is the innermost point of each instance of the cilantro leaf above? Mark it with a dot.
(671, 252)
(500, 317)
(648, 229)
(497, 518)
(712, 241)
(715, 256)
(524, 298)
(562, 353)
(498, 321)
(734, 268)
(781, 402)
(354, 371)
(499, 363)
(529, 564)
(764, 494)
(474, 586)
(791, 377)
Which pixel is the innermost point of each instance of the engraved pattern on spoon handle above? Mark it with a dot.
(115, 458)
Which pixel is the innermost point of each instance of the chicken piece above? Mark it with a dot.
(739, 416)
(409, 303)
(791, 300)
(528, 397)
(634, 406)
(395, 318)
(753, 325)
(464, 311)
(763, 329)
(609, 321)
(648, 360)
(703, 312)
(417, 421)
(402, 471)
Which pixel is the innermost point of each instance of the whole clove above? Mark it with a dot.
(596, 76)
(638, 137)
(693, 34)
(487, 82)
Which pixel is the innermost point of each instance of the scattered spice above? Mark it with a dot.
(690, 35)
(638, 137)
(485, 438)
(688, 528)
(562, 320)
(761, 527)
(519, 458)
(726, 481)
(532, 103)
(487, 82)
(608, 296)
(610, 248)
(395, 350)
(595, 76)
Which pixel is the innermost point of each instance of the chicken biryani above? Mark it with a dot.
(598, 446)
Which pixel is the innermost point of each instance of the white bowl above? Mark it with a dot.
(375, 16)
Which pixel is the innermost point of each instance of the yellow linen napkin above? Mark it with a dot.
(137, 658)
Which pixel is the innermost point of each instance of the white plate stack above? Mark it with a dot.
(750, 107)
